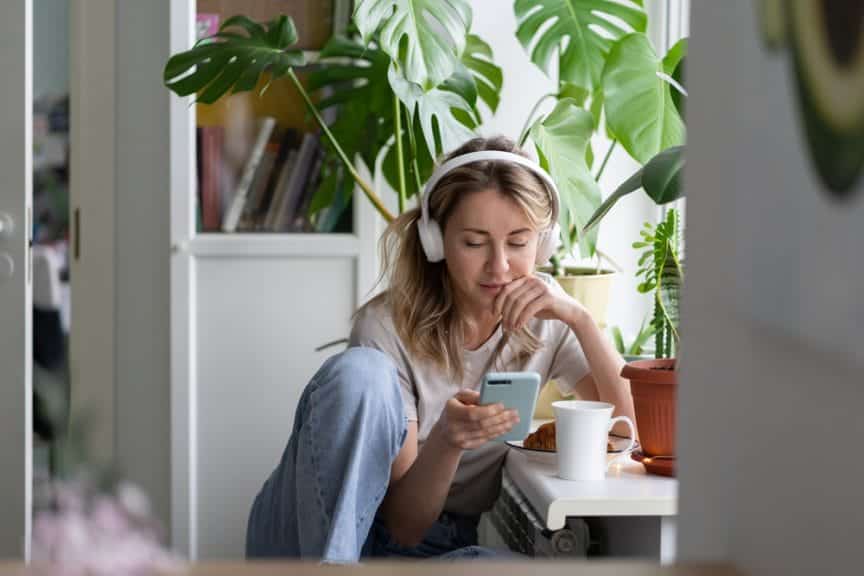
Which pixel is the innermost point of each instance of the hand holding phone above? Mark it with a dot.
(516, 391)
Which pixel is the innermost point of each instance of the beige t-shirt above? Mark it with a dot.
(426, 388)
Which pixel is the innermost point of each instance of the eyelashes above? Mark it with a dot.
(481, 244)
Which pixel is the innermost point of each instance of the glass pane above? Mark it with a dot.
(260, 157)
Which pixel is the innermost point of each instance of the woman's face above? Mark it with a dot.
(488, 243)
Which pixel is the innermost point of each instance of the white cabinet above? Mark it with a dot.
(247, 311)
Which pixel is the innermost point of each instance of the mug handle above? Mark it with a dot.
(631, 446)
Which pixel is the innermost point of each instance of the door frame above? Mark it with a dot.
(16, 387)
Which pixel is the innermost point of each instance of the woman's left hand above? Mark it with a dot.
(530, 297)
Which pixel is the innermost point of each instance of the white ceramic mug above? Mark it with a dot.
(581, 433)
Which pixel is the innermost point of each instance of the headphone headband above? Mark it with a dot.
(431, 236)
(486, 155)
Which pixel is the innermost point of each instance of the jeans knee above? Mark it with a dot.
(362, 375)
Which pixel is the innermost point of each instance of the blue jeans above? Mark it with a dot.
(322, 498)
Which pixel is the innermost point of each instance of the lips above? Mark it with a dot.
(492, 288)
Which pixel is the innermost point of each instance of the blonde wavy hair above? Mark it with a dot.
(419, 294)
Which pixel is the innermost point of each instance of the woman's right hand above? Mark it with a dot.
(466, 425)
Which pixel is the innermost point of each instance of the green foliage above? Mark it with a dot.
(406, 82)
(424, 38)
(660, 178)
(637, 346)
(561, 140)
(232, 61)
(607, 68)
(662, 275)
(487, 76)
(638, 103)
(580, 31)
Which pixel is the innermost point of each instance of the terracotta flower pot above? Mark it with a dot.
(654, 385)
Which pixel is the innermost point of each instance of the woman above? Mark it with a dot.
(390, 453)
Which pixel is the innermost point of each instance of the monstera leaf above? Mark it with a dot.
(638, 103)
(561, 140)
(673, 65)
(446, 119)
(354, 77)
(581, 31)
(475, 76)
(354, 71)
(232, 61)
(478, 59)
(425, 38)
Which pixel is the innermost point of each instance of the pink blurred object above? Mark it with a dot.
(206, 25)
(98, 534)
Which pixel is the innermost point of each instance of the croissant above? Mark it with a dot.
(541, 439)
(544, 439)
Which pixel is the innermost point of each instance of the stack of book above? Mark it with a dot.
(272, 190)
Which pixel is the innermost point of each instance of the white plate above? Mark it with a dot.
(618, 445)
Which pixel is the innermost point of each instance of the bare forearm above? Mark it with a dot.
(605, 364)
(414, 503)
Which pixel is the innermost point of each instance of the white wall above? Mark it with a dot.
(769, 403)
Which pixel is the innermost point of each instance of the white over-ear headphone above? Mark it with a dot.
(431, 236)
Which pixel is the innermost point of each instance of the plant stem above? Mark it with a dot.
(367, 189)
(605, 160)
(524, 133)
(400, 156)
(412, 143)
(609, 259)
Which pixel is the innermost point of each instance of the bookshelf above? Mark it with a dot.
(248, 307)
(259, 156)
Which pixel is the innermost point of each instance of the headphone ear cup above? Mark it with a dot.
(431, 239)
(548, 244)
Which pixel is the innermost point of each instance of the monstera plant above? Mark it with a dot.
(408, 81)
(611, 84)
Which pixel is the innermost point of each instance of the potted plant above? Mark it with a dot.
(637, 101)
(401, 100)
(595, 64)
(654, 381)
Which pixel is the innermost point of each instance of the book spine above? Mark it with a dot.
(235, 210)
(280, 194)
(267, 194)
(211, 144)
(301, 219)
(299, 176)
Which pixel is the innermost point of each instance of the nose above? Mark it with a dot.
(497, 263)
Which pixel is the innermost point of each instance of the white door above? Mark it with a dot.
(16, 112)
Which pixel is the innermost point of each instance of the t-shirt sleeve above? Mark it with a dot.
(569, 364)
(372, 329)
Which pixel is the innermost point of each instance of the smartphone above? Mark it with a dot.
(517, 391)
